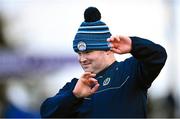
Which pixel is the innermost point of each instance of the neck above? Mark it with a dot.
(108, 64)
(110, 61)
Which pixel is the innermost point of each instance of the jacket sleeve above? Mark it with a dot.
(63, 104)
(150, 57)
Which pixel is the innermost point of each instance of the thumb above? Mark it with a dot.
(115, 50)
(95, 88)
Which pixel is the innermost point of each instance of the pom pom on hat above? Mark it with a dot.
(92, 33)
(92, 14)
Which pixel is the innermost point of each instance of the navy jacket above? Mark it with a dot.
(123, 87)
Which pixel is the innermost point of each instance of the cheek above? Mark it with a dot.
(98, 60)
(94, 58)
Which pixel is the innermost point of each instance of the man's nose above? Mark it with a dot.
(82, 58)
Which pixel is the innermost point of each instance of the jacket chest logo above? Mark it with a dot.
(106, 81)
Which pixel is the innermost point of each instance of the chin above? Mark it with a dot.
(88, 70)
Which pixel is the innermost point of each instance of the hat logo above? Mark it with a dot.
(81, 46)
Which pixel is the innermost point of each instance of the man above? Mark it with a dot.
(107, 88)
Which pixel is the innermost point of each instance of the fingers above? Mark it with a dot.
(115, 50)
(95, 85)
(95, 88)
(117, 38)
(87, 75)
(114, 39)
(92, 82)
(87, 78)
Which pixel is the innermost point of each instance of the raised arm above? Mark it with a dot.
(150, 57)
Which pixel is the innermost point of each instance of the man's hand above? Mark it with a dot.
(120, 44)
(86, 85)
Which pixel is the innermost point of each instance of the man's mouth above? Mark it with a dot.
(85, 65)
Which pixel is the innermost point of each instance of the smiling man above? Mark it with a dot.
(107, 88)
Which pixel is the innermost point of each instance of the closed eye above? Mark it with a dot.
(85, 52)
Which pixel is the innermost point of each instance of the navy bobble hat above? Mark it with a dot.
(92, 33)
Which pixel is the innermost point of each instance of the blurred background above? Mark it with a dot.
(37, 58)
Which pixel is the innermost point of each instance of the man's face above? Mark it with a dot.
(92, 61)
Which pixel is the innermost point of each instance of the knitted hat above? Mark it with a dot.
(92, 33)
